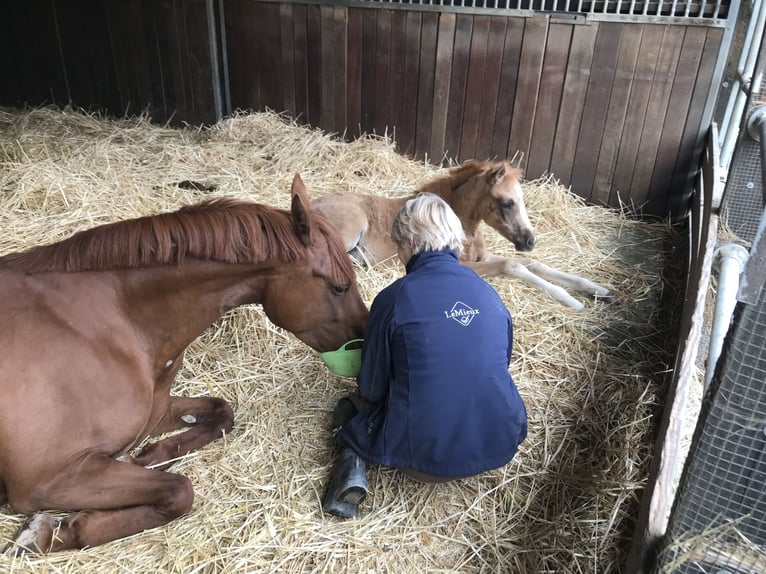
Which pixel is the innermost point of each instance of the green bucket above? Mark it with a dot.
(345, 361)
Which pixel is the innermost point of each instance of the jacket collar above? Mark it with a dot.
(420, 259)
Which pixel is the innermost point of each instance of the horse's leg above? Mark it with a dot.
(116, 500)
(495, 265)
(205, 418)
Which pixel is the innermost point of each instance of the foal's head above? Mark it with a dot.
(502, 205)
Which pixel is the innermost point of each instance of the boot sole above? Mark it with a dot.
(354, 495)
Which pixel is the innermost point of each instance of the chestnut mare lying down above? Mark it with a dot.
(94, 330)
(477, 191)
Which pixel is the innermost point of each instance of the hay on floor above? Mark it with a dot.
(591, 380)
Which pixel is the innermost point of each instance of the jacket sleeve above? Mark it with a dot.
(374, 377)
(510, 338)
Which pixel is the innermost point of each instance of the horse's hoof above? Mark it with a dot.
(34, 536)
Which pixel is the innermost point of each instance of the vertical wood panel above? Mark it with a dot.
(235, 45)
(125, 23)
(491, 85)
(662, 84)
(692, 143)
(252, 55)
(300, 55)
(678, 109)
(461, 51)
(426, 80)
(370, 31)
(200, 79)
(549, 101)
(31, 71)
(173, 74)
(509, 73)
(340, 33)
(329, 54)
(573, 101)
(639, 99)
(443, 72)
(406, 127)
(382, 71)
(630, 43)
(396, 75)
(286, 18)
(477, 65)
(76, 49)
(602, 74)
(314, 64)
(274, 86)
(354, 71)
(530, 69)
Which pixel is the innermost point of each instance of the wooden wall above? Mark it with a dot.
(119, 57)
(614, 109)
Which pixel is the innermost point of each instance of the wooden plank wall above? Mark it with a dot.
(612, 109)
(116, 57)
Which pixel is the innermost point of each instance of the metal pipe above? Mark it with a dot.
(746, 49)
(738, 96)
(732, 259)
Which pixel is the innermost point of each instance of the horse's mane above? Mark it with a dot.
(225, 230)
(460, 175)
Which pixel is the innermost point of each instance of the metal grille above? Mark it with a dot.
(719, 523)
(743, 205)
(716, 9)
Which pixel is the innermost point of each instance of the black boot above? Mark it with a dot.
(348, 486)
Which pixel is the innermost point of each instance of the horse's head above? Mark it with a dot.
(316, 297)
(503, 206)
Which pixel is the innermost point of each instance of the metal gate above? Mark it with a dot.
(718, 523)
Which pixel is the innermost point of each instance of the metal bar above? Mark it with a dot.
(738, 98)
(214, 59)
(754, 275)
(638, 11)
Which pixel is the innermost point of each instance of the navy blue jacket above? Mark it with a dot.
(435, 370)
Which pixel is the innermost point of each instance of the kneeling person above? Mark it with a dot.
(435, 397)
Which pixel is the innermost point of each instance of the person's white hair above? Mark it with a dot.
(427, 223)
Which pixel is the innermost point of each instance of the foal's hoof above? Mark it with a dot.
(606, 296)
(34, 536)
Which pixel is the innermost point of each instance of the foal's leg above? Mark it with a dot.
(574, 282)
(116, 499)
(205, 418)
(494, 265)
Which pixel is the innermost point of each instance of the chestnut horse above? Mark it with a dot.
(94, 330)
(477, 191)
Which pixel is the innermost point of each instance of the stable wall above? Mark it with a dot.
(615, 106)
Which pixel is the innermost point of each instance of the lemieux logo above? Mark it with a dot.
(461, 313)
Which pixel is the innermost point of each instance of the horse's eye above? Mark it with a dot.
(340, 289)
(507, 204)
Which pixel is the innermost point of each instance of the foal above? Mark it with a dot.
(477, 191)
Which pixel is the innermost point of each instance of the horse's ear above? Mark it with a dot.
(301, 210)
(498, 174)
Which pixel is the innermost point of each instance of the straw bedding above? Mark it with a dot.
(592, 380)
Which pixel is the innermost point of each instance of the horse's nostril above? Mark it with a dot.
(531, 240)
